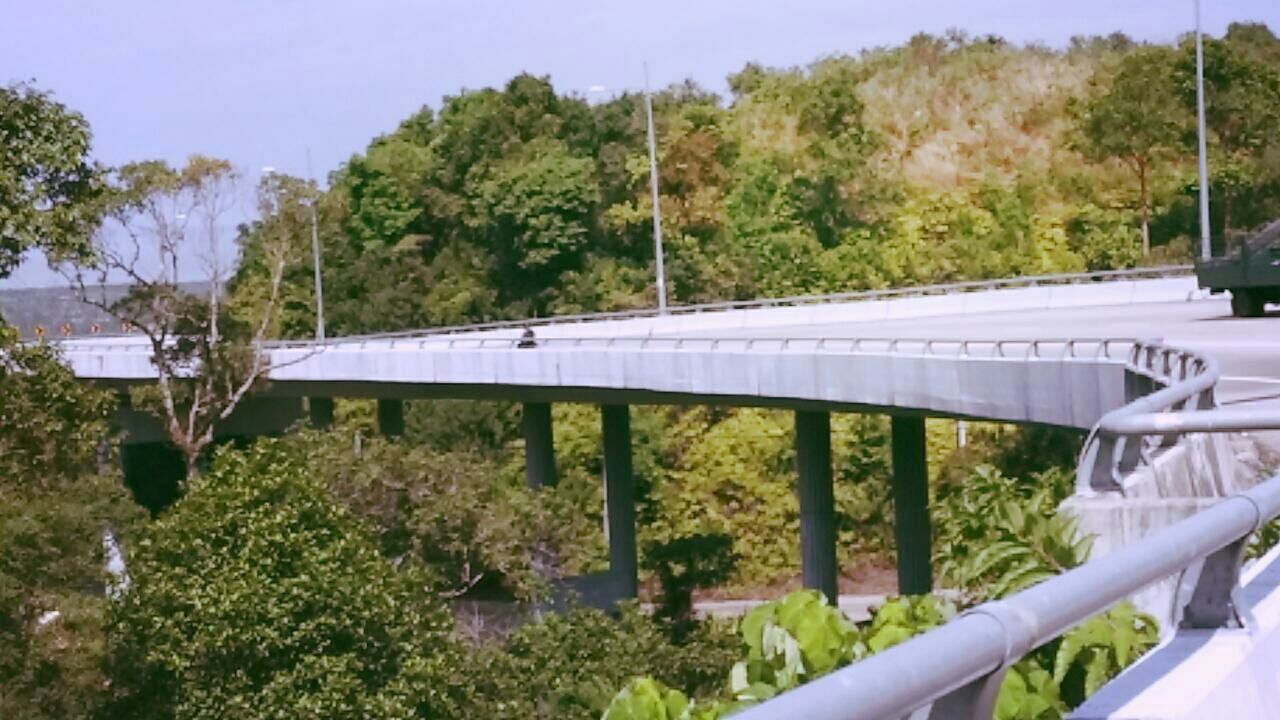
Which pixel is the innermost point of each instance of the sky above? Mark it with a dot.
(269, 82)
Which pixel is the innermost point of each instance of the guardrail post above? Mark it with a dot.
(539, 445)
(391, 417)
(911, 506)
(320, 411)
(620, 509)
(1213, 601)
(817, 503)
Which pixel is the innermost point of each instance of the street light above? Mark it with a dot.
(315, 253)
(653, 187)
(1205, 251)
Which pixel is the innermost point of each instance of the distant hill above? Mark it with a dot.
(52, 308)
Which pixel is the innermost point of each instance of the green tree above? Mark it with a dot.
(55, 513)
(1134, 116)
(537, 217)
(207, 359)
(449, 513)
(1241, 95)
(258, 596)
(48, 185)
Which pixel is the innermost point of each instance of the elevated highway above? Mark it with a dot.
(1075, 352)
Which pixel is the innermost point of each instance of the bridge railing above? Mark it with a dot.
(1035, 348)
(1162, 380)
(956, 670)
(959, 667)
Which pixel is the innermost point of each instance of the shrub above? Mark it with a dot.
(258, 596)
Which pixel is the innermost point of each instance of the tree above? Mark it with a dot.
(1136, 118)
(1241, 96)
(449, 513)
(54, 511)
(48, 185)
(258, 596)
(207, 360)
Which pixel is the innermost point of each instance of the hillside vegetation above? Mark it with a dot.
(947, 158)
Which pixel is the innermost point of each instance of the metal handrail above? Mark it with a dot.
(959, 667)
(1102, 346)
(1165, 380)
(953, 665)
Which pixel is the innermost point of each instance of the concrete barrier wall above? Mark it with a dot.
(1180, 481)
(1207, 674)
(1072, 392)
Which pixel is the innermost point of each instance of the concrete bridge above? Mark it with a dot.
(1066, 351)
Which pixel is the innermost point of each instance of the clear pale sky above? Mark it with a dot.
(260, 81)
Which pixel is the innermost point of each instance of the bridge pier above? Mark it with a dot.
(817, 502)
(911, 506)
(391, 417)
(620, 509)
(320, 411)
(539, 445)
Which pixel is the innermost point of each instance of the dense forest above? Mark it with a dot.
(947, 158)
(322, 573)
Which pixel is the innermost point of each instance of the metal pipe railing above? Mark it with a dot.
(978, 645)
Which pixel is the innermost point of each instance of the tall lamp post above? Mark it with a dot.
(315, 253)
(653, 187)
(1205, 249)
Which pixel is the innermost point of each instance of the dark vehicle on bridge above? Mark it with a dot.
(1250, 270)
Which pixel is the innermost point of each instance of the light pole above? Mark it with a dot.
(1205, 250)
(653, 187)
(315, 252)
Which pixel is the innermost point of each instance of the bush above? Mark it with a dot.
(450, 513)
(258, 596)
(568, 667)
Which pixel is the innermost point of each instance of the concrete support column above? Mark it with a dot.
(321, 411)
(817, 502)
(539, 445)
(911, 506)
(620, 505)
(391, 417)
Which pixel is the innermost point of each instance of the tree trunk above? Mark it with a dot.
(1146, 211)
(1226, 221)
(193, 464)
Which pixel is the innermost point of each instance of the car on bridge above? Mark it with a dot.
(1250, 271)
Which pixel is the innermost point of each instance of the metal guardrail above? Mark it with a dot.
(957, 669)
(1162, 380)
(1055, 348)
(959, 666)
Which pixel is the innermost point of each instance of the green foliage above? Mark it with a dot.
(791, 641)
(646, 699)
(947, 158)
(684, 565)
(256, 595)
(1089, 655)
(450, 514)
(48, 186)
(799, 638)
(569, 666)
(996, 536)
(902, 618)
(54, 513)
(1028, 692)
